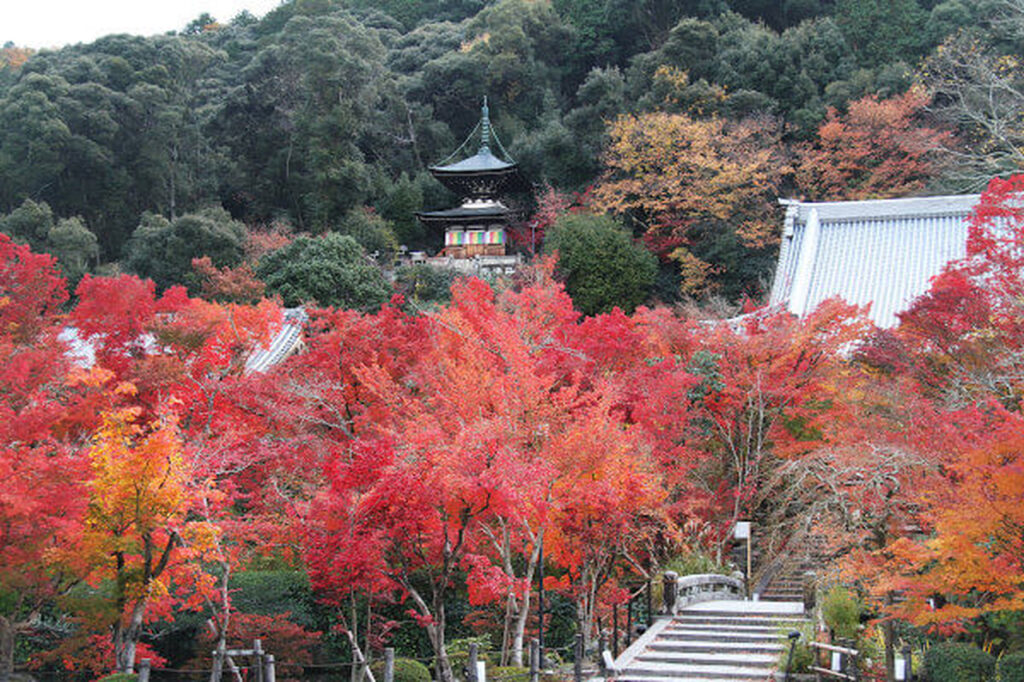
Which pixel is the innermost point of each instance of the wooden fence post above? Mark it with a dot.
(615, 630)
(650, 602)
(670, 587)
(389, 665)
(269, 673)
(144, 667)
(471, 675)
(577, 660)
(257, 652)
(534, 660)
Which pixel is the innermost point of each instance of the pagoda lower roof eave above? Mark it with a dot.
(466, 215)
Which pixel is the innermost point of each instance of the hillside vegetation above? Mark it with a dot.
(687, 118)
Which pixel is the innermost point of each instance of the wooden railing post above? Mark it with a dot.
(471, 673)
(144, 668)
(669, 591)
(389, 665)
(629, 621)
(615, 630)
(257, 652)
(269, 672)
(577, 659)
(650, 604)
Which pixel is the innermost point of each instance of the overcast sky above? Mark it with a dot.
(53, 23)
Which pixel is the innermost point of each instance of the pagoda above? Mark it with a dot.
(476, 228)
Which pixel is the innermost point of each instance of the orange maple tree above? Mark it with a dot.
(875, 150)
(138, 531)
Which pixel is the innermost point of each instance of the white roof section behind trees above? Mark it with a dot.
(882, 252)
(285, 343)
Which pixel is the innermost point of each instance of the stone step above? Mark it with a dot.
(748, 608)
(673, 671)
(724, 641)
(720, 636)
(709, 658)
(691, 645)
(734, 620)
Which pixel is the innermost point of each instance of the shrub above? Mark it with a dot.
(119, 677)
(841, 612)
(406, 670)
(1011, 667)
(803, 654)
(507, 672)
(329, 271)
(458, 651)
(424, 283)
(601, 265)
(958, 662)
(695, 563)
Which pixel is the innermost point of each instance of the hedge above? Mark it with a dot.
(958, 662)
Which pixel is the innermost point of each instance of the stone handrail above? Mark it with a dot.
(690, 589)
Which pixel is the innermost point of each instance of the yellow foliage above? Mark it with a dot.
(675, 169)
(468, 45)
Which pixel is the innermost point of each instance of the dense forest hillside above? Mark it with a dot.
(304, 119)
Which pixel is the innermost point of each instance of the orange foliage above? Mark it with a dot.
(234, 285)
(13, 57)
(877, 149)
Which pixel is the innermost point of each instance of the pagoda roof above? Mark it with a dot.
(483, 174)
(484, 161)
(468, 213)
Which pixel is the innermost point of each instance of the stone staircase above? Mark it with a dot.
(720, 641)
(785, 580)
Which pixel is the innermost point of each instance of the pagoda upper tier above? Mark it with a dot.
(483, 175)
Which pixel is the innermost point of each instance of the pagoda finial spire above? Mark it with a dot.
(485, 128)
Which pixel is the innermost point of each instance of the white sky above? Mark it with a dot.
(54, 23)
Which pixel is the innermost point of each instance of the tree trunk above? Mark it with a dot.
(7, 636)
(437, 640)
(435, 631)
(888, 635)
(523, 615)
(126, 638)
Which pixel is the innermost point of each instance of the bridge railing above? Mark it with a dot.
(681, 591)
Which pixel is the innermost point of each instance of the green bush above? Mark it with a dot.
(695, 563)
(803, 654)
(601, 265)
(458, 652)
(119, 677)
(841, 612)
(514, 673)
(329, 271)
(422, 284)
(406, 670)
(1011, 667)
(958, 662)
(507, 672)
